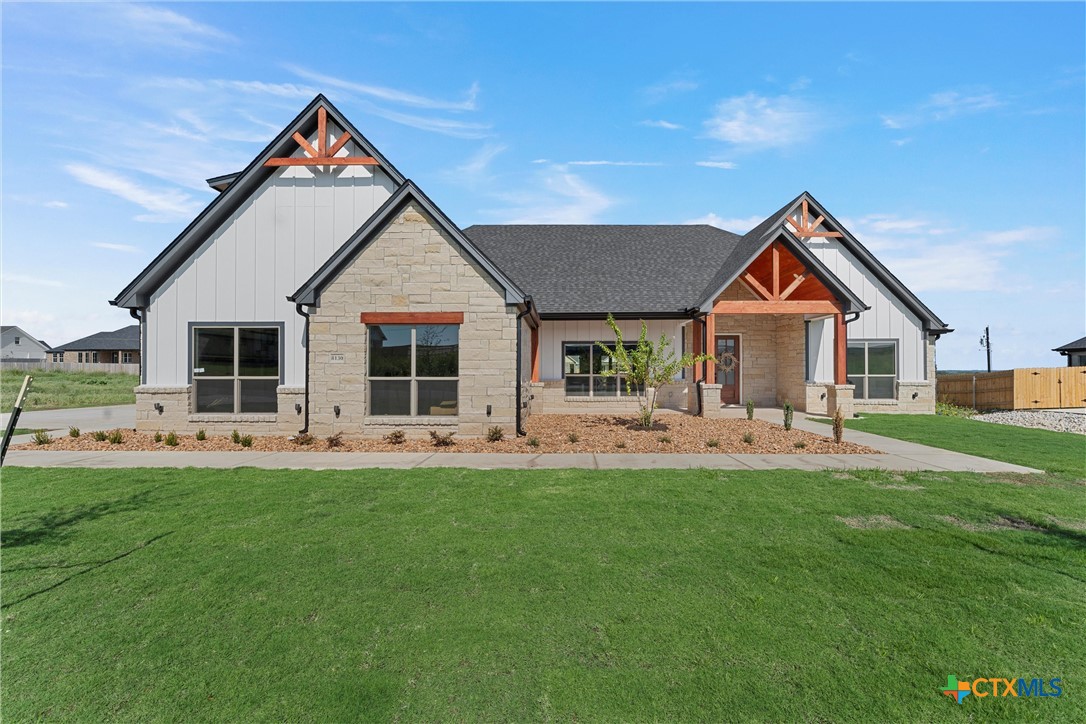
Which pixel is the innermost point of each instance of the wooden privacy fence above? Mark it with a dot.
(1031, 388)
(36, 364)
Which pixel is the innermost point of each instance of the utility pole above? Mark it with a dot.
(986, 345)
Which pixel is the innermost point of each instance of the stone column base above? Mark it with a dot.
(710, 401)
(840, 396)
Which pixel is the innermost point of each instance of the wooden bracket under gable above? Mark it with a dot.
(323, 154)
(806, 227)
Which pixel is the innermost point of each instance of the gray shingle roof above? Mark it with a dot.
(594, 269)
(1072, 346)
(125, 338)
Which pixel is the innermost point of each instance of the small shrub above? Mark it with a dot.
(621, 444)
(303, 439)
(533, 442)
(788, 412)
(246, 441)
(666, 439)
(334, 440)
(838, 426)
(41, 437)
(948, 409)
(73, 431)
(396, 437)
(116, 437)
(799, 444)
(99, 435)
(235, 437)
(644, 417)
(201, 434)
(171, 439)
(495, 434)
(573, 437)
(440, 440)
(158, 437)
(712, 443)
(748, 438)
(750, 409)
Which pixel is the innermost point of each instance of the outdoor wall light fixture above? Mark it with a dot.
(158, 407)
(336, 410)
(489, 409)
(822, 396)
(915, 395)
(298, 407)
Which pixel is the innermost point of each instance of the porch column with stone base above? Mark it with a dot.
(710, 401)
(840, 396)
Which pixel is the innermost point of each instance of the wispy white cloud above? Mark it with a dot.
(37, 201)
(126, 248)
(941, 107)
(444, 126)
(391, 95)
(717, 164)
(659, 91)
(30, 280)
(481, 159)
(162, 204)
(614, 163)
(899, 142)
(799, 83)
(752, 121)
(666, 125)
(156, 25)
(735, 225)
(559, 197)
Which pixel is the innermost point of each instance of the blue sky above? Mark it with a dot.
(949, 138)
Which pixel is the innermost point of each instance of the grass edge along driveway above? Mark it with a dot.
(59, 390)
(596, 595)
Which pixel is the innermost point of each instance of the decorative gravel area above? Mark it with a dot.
(1043, 419)
(671, 433)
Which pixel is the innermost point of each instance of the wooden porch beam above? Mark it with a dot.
(792, 287)
(300, 139)
(536, 351)
(695, 330)
(757, 286)
(340, 143)
(710, 336)
(322, 130)
(411, 317)
(775, 251)
(840, 350)
(776, 307)
(346, 161)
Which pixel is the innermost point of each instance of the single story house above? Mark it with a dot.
(15, 343)
(322, 290)
(121, 346)
(1075, 352)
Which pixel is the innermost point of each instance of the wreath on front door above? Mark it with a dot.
(727, 362)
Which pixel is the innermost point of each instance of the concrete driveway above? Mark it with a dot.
(87, 419)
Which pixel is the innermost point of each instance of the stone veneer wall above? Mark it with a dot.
(549, 398)
(412, 266)
(177, 415)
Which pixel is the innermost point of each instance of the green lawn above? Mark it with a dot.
(17, 431)
(55, 389)
(1056, 452)
(467, 595)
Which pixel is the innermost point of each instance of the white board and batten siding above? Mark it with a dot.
(260, 255)
(887, 319)
(554, 333)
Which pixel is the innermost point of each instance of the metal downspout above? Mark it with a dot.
(521, 432)
(305, 402)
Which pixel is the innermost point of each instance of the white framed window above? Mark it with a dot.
(94, 357)
(583, 368)
(413, 369)
(126, 358)
(80, 354)
(872, 368)
(18, 340)
(235, 369)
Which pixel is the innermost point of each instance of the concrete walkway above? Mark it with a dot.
(57, 422)
(895, 455)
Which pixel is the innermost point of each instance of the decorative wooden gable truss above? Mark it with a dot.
(323, 154)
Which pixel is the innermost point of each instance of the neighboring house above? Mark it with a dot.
(1075, 352)
(121, 346)
(15, 343)
(322, 290)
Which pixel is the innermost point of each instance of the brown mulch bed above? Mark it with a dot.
(671, 433)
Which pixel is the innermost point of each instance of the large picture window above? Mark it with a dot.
(872, 367)
(414, 369)
(235, 369)
(583, 367)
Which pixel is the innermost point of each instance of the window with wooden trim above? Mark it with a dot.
(235, 369)
(872, 368)
(413, 369)
(583, 368)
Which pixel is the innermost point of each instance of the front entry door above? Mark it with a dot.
(727, 367)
